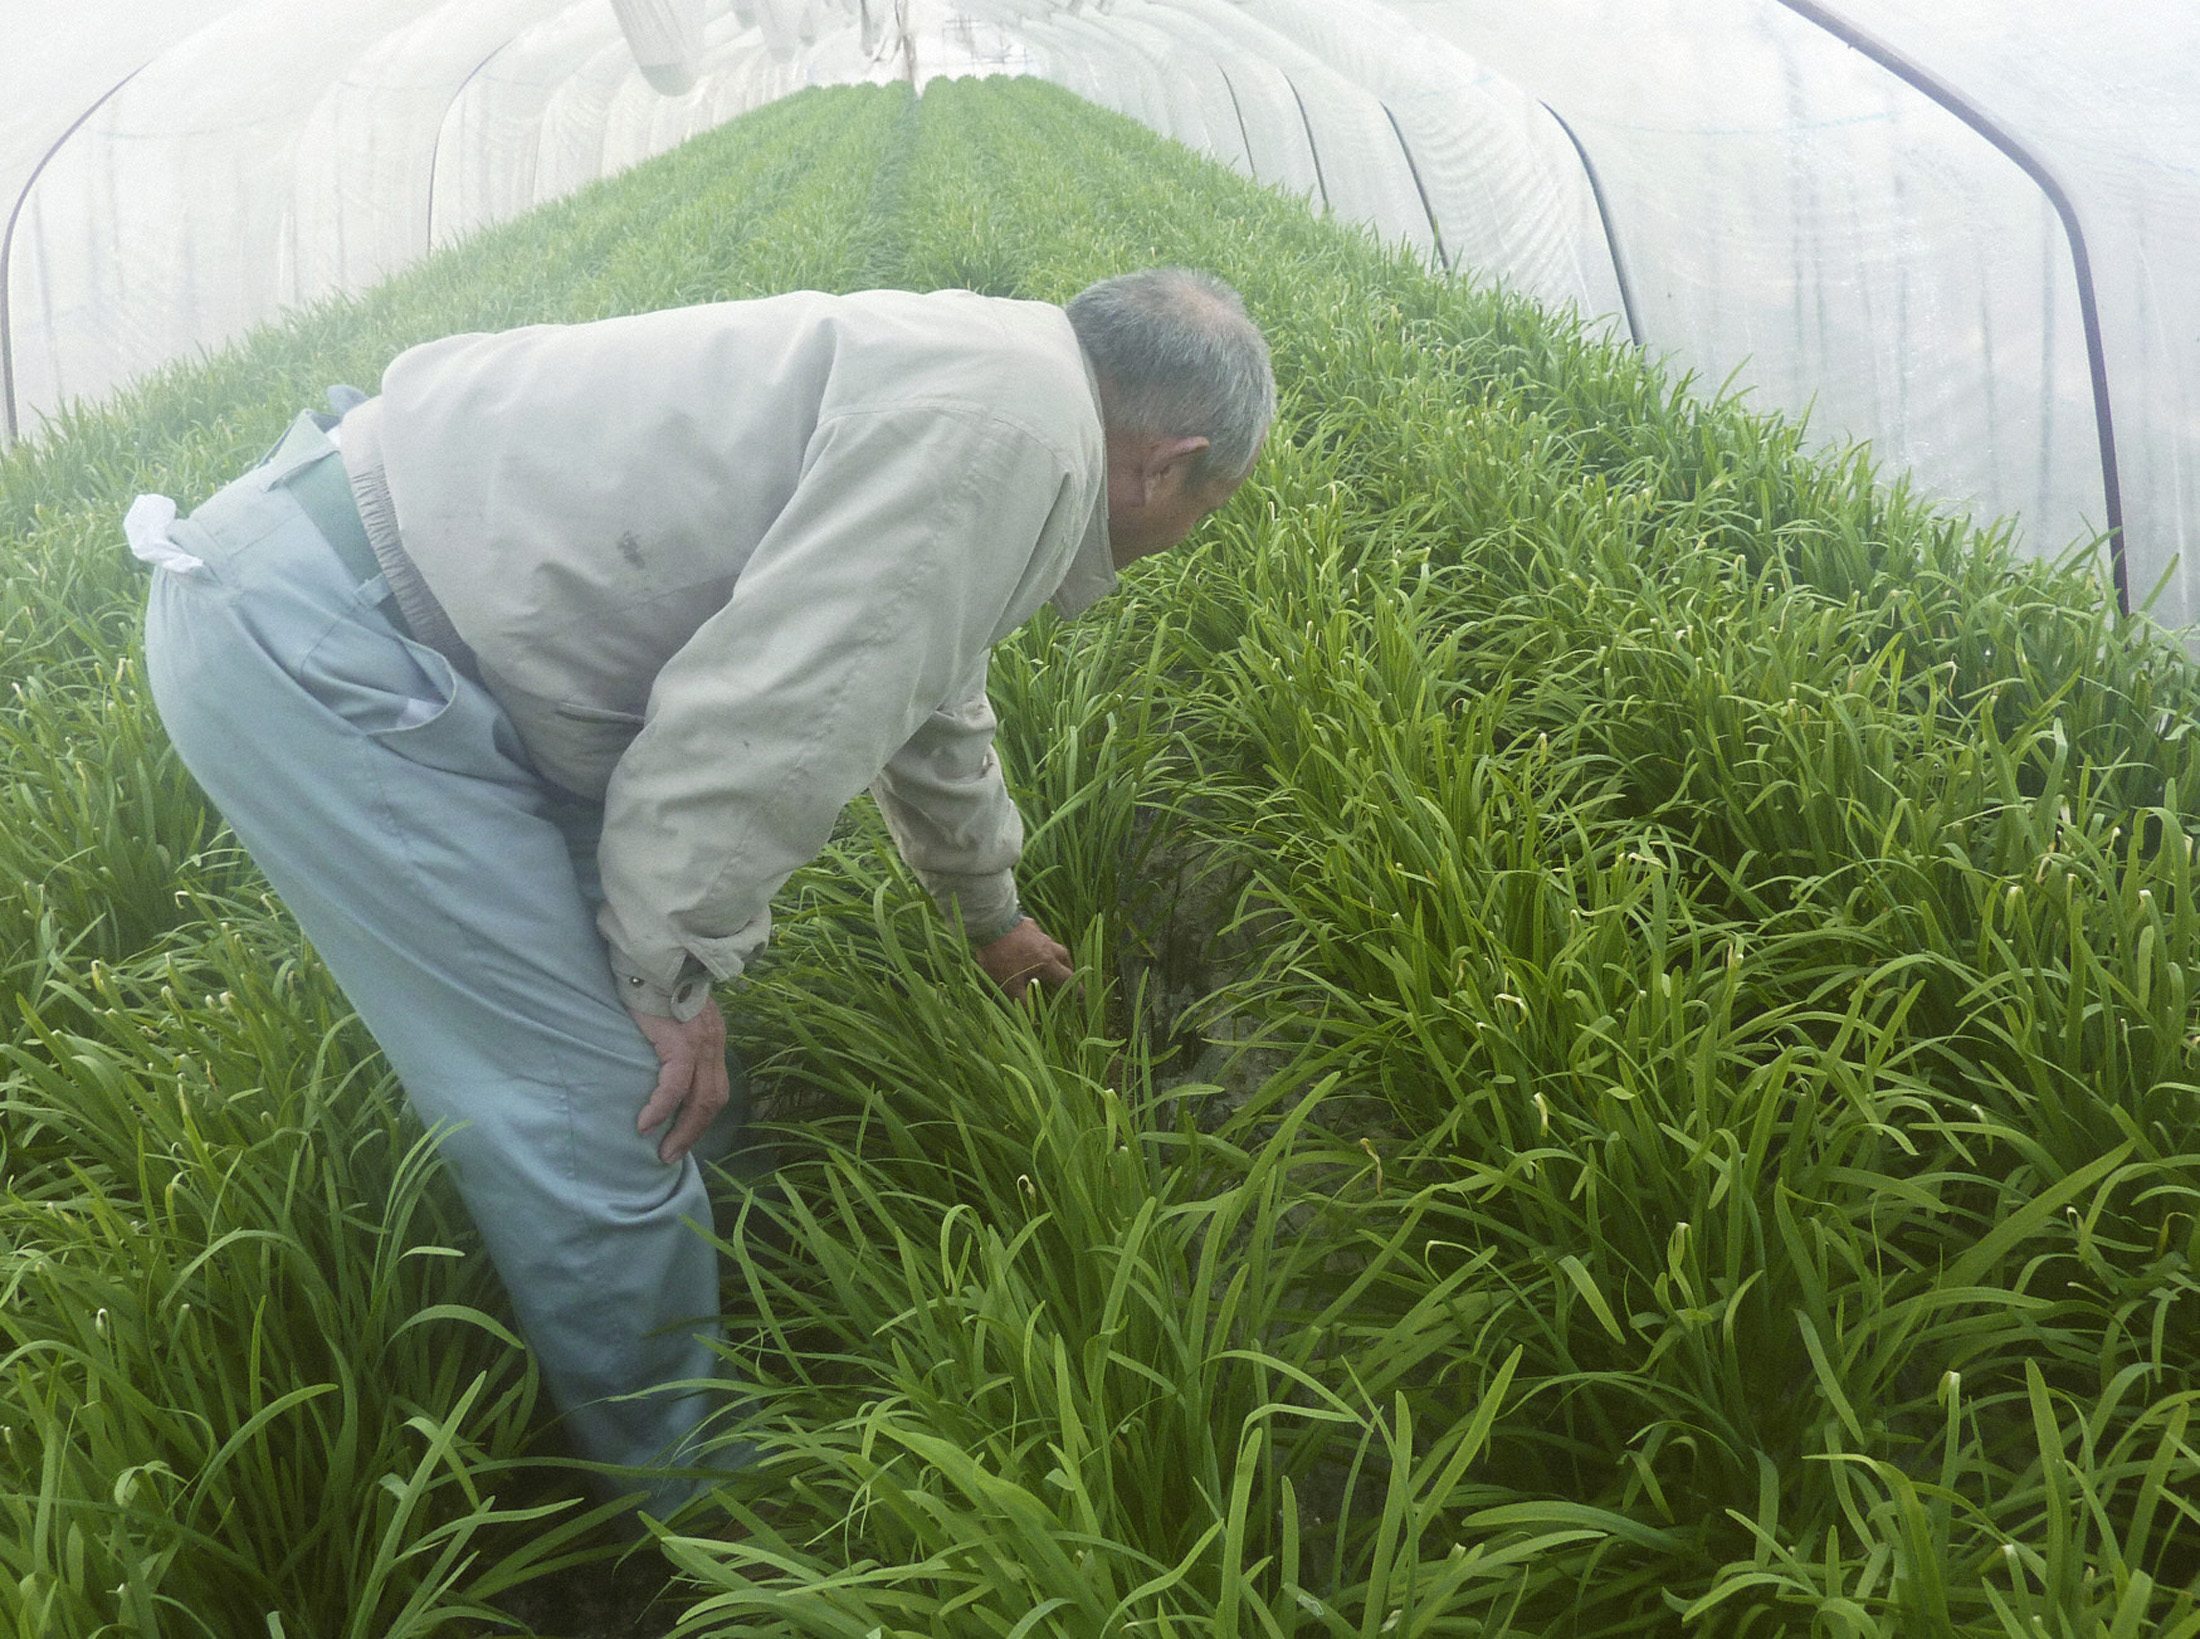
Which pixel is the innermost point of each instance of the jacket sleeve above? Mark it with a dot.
(950, 813)
(876, 591)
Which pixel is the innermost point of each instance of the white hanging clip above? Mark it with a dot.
(146, 524)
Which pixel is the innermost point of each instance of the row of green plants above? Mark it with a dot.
(1635, 1074)
(1705, 1141)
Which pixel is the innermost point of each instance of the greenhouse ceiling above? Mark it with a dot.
(1968, 232)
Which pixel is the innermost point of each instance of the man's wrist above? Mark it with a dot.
(680, 1000)
(994, 927)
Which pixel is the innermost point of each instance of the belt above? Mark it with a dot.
(322, 490)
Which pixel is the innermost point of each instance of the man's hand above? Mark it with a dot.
(692, 1079)
(1024, 955)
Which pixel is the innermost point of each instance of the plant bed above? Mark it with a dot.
(1636, 1073)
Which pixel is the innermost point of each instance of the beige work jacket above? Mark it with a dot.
(727, 565)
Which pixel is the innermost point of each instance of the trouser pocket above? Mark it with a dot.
(377, 680)
(409, 698)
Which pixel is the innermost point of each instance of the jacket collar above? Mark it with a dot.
(1091, 574)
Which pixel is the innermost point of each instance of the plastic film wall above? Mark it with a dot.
(1731, 183)
(1749, 195)
(197, 171)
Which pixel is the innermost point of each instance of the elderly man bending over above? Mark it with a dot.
(531, 682)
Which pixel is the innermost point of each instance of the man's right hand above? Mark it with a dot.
(1024, 956)
(691, 1079)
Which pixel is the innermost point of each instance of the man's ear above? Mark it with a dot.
(1167, 458)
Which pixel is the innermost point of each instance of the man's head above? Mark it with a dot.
(1186, 397)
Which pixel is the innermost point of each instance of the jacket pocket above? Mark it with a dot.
(631, 721)
(577, 746)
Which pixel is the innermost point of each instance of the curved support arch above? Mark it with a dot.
(1252, 166)
(1611, 236)
(1436, 232)
(435, 151)
(1916, 75)
(1312, 146)
(7, 253)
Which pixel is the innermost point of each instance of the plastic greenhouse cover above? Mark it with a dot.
(1796, 212)
(1726, 180)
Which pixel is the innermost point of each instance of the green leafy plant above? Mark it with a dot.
(1637, 1069)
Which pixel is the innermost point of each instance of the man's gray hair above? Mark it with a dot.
(1177, 357)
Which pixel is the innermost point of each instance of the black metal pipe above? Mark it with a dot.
(1313, 148)
(1915, 74)
(1245, 136)
(435, 151)
(1611, 237)
(1406, 148)
(7, 252)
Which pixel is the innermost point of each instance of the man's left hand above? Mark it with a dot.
(691, 1079)
(1024, 956)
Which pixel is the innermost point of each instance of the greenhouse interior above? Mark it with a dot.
(1397, 831)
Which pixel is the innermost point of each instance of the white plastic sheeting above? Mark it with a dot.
(1790, 214)
(2114, 108)
(1724, 179)
(1800, 219)
(666, 38)
(219, 162)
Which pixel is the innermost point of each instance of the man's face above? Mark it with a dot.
(1154, 502)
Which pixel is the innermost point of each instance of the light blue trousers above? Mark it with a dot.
(452, 893)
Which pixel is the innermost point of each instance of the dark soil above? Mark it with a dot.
(628, 1599)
